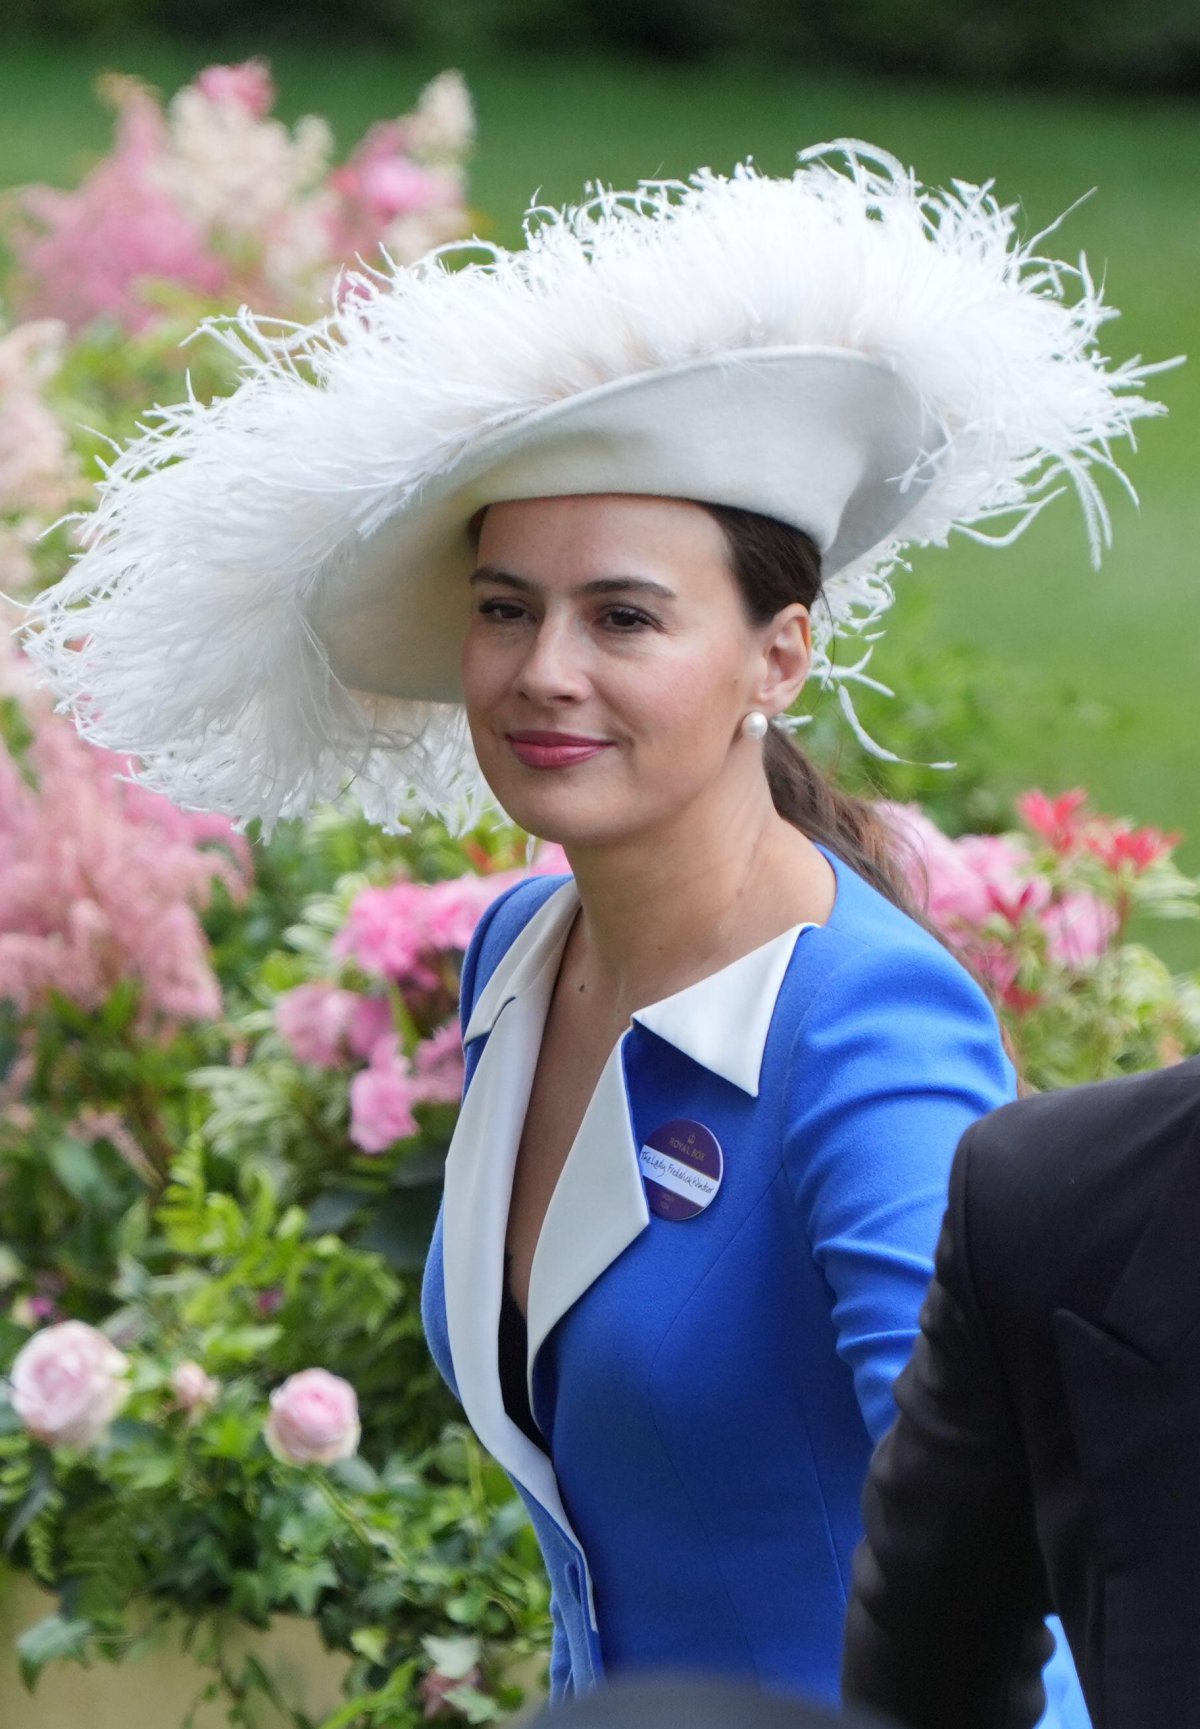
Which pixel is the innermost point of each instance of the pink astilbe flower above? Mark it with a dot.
(218, 197)
(39, 473)
(100, 882)
(90, 253)
(385, 198)
(247, 88)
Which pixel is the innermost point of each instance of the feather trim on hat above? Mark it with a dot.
(183, 634)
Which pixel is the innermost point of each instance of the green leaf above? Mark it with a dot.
(48, 1640)
(475, 1706)
(79, 1170)
(303, 1582)
(36, 1501)
(371, 1643)
(355, 1474)
(454, 1657)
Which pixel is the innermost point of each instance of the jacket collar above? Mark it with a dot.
(720, 1022)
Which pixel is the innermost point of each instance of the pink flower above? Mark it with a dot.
(438, 1066)
(89, 253)
(1056, 820)
(1079, 929)
(313, 1419)
(400, 932)
(961, 883)
(68, 1383)
(195, 1392)
(315, 1021)
(1117, 845)
(247, 86)
(381, 1103)
(435, 1686)
(101, 882)
(370, 1022)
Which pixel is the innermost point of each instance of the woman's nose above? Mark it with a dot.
(553, 669)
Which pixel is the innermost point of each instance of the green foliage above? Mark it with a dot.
(191, 1512)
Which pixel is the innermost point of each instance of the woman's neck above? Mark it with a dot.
(673, 904)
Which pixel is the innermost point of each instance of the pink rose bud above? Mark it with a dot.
(313, 1419)
(195, 1392)
(68, 1383)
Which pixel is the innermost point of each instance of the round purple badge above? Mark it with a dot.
(681, 1165)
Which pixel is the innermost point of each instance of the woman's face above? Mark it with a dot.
(609, 663)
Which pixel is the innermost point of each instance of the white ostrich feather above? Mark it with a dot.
(183, 635)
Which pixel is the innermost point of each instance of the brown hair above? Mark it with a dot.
(776, 565)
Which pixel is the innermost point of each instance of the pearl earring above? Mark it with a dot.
(754, 725)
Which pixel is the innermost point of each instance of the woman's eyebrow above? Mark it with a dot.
(598, 585)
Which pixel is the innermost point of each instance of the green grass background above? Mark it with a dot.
(1117, 649)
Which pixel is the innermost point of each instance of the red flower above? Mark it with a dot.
(1117, 845)
(1013, 907)
(1055, 819)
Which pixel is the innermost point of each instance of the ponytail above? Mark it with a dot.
(848, 826)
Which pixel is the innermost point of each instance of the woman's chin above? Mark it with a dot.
(568, 817)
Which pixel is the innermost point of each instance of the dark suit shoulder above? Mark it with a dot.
(1055, 1190)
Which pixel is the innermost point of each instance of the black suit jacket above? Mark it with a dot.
(1046, 1455)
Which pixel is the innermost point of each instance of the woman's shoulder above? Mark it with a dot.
(873, 955)
(503, 922)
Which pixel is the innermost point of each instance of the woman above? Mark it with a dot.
(622, 492)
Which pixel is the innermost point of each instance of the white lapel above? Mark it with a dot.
(479, 1173)
(722, 1021)
(597, 1209)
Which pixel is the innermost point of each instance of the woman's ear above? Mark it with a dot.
(787, 658)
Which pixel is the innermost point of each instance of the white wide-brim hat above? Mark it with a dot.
(274, 589)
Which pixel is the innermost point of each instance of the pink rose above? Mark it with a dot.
(315, 1020)
(381, 1102)
(313, 1419)
(195, 1392)
(68, 1383)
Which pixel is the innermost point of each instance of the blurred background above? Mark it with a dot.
(230, 1066)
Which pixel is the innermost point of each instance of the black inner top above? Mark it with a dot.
(513, 1352)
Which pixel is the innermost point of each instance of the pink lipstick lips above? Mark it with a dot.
(554, 749)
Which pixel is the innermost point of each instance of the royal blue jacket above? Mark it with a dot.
(710, 1388)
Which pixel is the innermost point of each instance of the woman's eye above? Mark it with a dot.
(502, 611)
(626, 619)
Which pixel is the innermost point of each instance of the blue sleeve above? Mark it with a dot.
(898, 1053)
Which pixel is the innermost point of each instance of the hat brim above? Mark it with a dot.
(827, 440)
